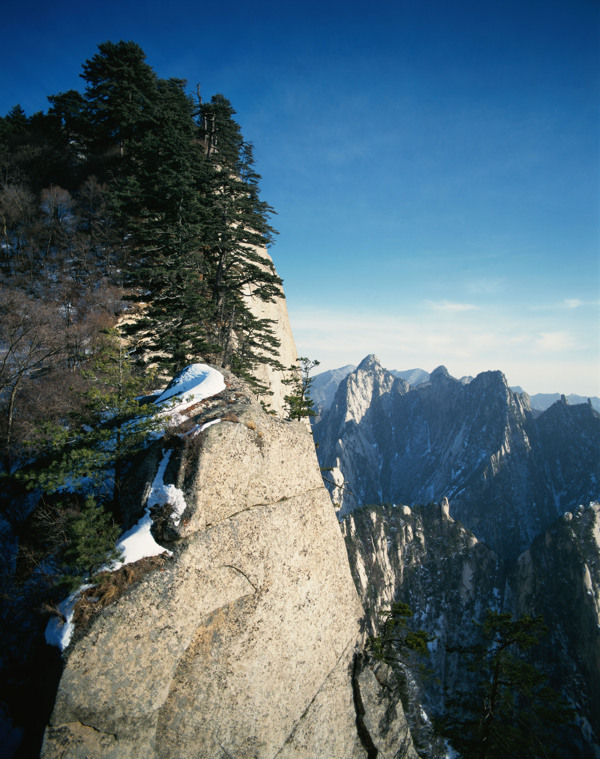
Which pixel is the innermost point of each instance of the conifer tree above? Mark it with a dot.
(236, 228)
(299, 402)
(511, 712)
(168, 268)
(91, 544)
(120, 90)
(397, 642)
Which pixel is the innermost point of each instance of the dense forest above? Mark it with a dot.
(132, 235)
(131, 204)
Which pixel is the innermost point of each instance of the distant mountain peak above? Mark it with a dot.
(441, 371)
(370, 362)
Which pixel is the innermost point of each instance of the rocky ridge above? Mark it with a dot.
(506, 474)
(244, 642)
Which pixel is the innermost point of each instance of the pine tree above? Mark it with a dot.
(299, 402)
(91, 544)
(397, 642)
(511, 712)
(236, 229)
(169, 268)
(120, 91)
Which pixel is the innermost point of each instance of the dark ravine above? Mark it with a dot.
(424, 558)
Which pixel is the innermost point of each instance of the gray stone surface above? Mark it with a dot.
(241, 646)
(383, 719)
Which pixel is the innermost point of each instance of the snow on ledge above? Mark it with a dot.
(193, 384)
(138, 542)
(196, 382)
(59, 630)
(161, 494)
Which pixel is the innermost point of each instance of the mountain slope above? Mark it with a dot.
(506, 474)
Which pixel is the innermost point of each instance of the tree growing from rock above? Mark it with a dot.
(299, 402)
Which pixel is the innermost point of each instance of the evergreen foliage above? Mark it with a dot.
(299, 402)
(128, 190)
(511, 712)
(87, 453)
(397, 643)
(90, 546)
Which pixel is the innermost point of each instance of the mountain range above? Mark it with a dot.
(507, 472)
(326, 383)
(519, 532)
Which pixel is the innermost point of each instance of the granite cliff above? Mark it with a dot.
(245, 641)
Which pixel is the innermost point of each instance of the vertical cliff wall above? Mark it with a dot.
(424, 558)
(276, 312)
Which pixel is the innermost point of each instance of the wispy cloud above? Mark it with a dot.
(573, 303)
(486, 285)
(541, 357)
(450, 306)
(555, 341)
(568, 304)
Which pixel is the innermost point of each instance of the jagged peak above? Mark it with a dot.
(370, 362)
(439, 372)
(493, 378)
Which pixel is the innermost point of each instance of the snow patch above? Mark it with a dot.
(162, 494)
(60, 630)
(138, 542)
(195, 383)
(198, 428)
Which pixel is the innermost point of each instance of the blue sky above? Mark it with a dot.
(434, 165)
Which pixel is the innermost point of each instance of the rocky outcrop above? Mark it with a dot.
(243, 643)
(348, 437)
(506, 474)
(427, 560)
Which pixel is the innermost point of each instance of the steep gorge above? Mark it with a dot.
(421, 556)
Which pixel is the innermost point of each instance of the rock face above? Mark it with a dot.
(425, 559)
(506, 474)
(324, 387)
(243, 644)
(276, 312)
(422, 557)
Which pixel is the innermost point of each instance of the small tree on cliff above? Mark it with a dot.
(91, 539)
(397, 643)
(299, 402)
